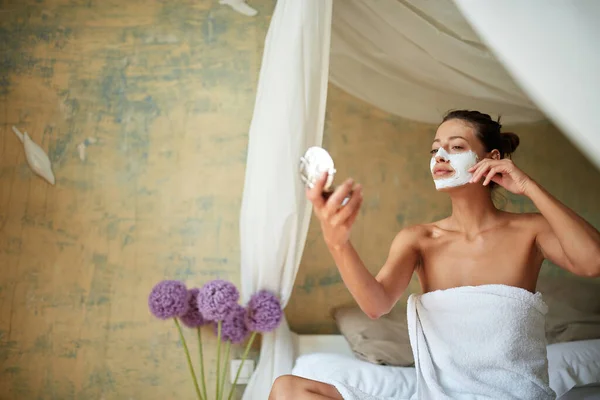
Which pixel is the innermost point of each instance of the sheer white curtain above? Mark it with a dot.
(552, 49)
(288, 118)
(418, 59)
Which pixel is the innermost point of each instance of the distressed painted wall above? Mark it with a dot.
(165, 91)
(390, 157)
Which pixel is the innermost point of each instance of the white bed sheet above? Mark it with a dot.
(329, 357)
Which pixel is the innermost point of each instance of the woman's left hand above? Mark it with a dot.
(504, 172)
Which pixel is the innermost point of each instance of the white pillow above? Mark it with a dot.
(573, 364)
(376, 380)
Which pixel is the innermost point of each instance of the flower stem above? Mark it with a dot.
(201, 363)
(237, 375)
(219, 324)
(189, 360)
(225, 365)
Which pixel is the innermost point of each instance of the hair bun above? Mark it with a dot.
(510, 142)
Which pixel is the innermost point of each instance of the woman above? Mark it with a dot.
(469, 248)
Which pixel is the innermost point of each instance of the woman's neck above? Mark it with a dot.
(473, 210)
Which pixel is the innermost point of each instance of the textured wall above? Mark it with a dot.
(390, 157)
(166, 89)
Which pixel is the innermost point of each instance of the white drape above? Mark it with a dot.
(288, 118)
(552, 49)
(418, 59)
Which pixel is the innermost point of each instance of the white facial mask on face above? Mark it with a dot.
(460, 162)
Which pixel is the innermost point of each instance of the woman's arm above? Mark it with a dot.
(377, 295)
(564, 237)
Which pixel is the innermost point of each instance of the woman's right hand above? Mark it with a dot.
(336, 220)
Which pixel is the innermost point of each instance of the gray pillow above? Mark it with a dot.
(573, 308)
(383, 341)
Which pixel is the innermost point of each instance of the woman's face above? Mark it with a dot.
(454, 137)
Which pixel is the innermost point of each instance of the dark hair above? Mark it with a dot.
(488, 131)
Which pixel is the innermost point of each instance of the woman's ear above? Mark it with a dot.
(495, 154)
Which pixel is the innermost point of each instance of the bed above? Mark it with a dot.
(574, 368)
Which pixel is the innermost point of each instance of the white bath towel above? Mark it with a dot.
(479, 342)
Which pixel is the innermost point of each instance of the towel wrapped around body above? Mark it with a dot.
(479, 342)
(475, 342)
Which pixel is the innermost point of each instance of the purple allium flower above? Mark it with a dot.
(216, 299)
(193, 318)
(264, 312)
(168, 299)
(234, 326)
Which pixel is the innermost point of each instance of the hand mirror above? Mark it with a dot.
(315, 162)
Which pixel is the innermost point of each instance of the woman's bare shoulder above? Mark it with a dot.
(533, 221)
(524, 218)
(420, 231)
(411, 237)
(431, 227)
(413, 231)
